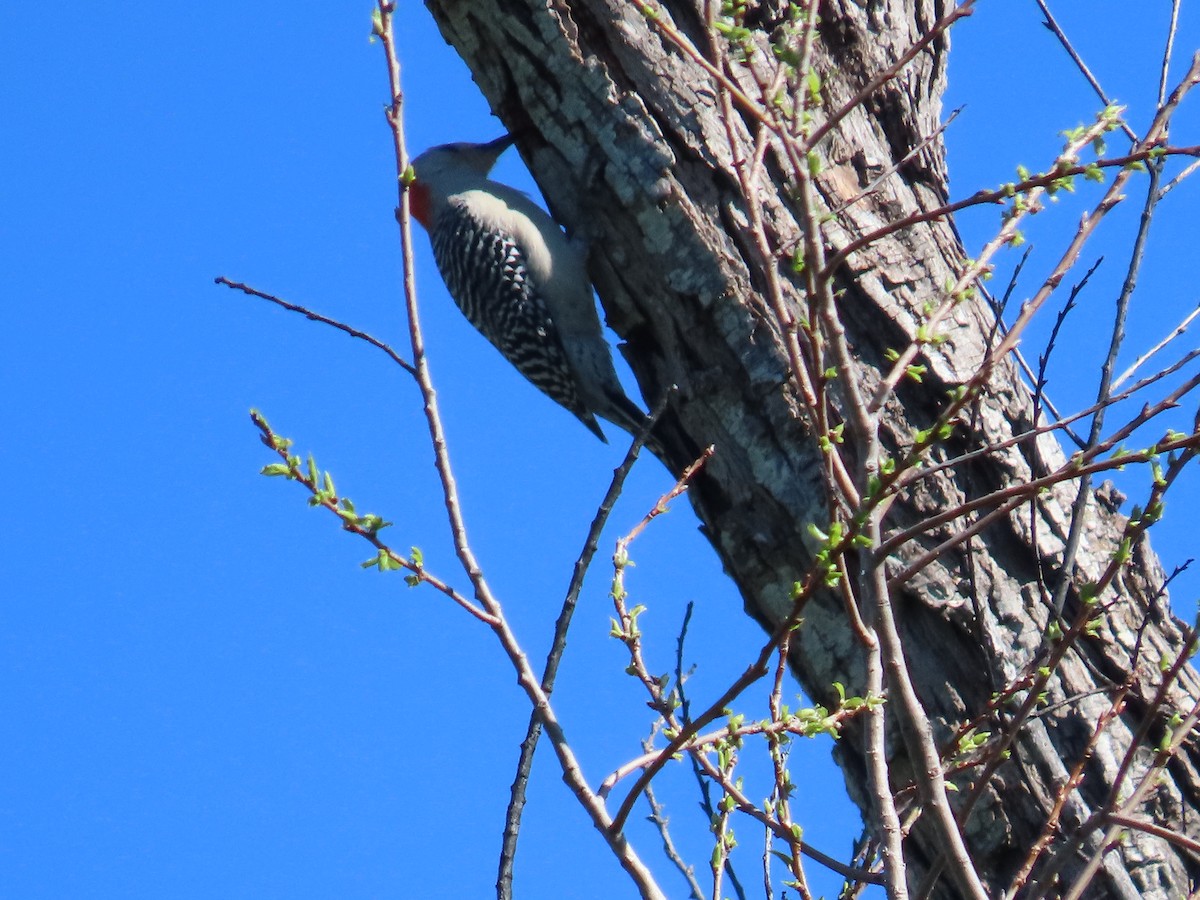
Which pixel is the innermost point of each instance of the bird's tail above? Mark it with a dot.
(664, 438)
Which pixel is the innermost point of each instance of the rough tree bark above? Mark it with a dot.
(625, 137)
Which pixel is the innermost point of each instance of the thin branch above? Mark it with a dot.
(1159, 702)
(660, 821)
(1038, 395)
(1179, 840)
(1179, 329)
(1007, 234)
(963, 458)
(977, 382)
(702, 783)
(516, 803)
(745, 805)
(354, 523)
(757, 669)
(1053, 25)
(1075, 534)
(916, 728)
(324, 320)
(654, 13)
(1044, 357)
(1168, 52)
(883, 807)
(1000, 196)
(1179, 179)
(898, 165)
(999, 307)
(1133, 532)
(701, 742)
(1008, 499)
(936, 30)
(664, 502)
(1074, 778)
(1180, 734)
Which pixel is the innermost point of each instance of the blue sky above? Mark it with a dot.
(202, 694)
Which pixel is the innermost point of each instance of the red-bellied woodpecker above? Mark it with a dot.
(519, 280)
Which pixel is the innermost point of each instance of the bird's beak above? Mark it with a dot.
(499, 145)
(485, 155)
(491, 151)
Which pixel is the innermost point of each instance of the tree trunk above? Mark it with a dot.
(626, 139)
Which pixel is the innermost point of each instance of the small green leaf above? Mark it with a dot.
(813, 83)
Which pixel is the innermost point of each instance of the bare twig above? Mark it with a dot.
(883, 807)
(1180, 840)
(685, 715)
(324, 320)
(1044, 357)
(1188, 170)
(1039, 394)
(1178, 734)
(1007, 499)
(660, 821)
(695, 748)
(1053, 25)
(1133, 532)
(964, 458)
(1000, 306)
(1168, 52)
(516, 803)
(936, 31)
(899, 164)
(702, 742)
(977, 382)
(916, 728)
(1141, 360)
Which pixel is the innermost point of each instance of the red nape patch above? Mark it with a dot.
(418, 202)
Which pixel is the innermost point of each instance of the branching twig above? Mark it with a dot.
(366, 527)
(516, 803)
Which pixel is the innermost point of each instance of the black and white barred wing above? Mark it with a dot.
(490, 282)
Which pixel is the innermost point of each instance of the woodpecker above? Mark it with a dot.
(519, 280)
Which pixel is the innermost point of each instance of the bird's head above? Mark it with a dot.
(448, 168)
